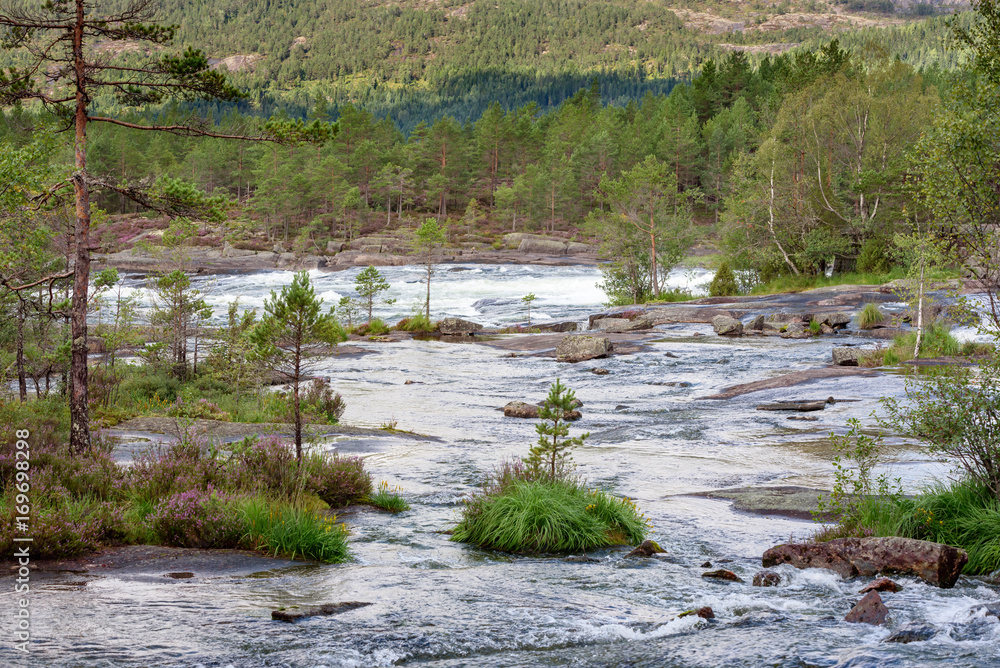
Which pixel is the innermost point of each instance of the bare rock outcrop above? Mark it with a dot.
(582, 347)
(934, 563)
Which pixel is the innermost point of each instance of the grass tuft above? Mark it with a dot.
(387, 499)
(870, 316)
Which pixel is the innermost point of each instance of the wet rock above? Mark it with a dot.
(599, 371)
(294, 614)
(757, 324)
(804, 418)
(826, 329)
(912, 632)
(619, 325)
(520, 409)
(800, 406)
(758, 618)
(671, 355)
(509, 355)
(869, 610)
(707, 564)
(796, 330)
(646, 549)
(566, 326)
(846, 356)
(766, 579)
(882, 584)
(725, 325)
(704, 613)
(457, 326)
(582, 347)
(934, 563)
(185, 575)
(722, 574)
(581, 559)
(575, 247)
(988, 610)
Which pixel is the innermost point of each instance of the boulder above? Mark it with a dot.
(574, 247)
(704, 613)
(599, 371)
(228, 250)
(722, 574)
(458, 327)
(618, 325)
(882, 584)
(912, 632)
(869, 610)
(934, 563)
(545, 246)
(565, 326)
(846, 356)
(796, 330)
(646, 549)
(836, 320)
(766, 579)
(725, 325)
(294, 613)
(757, 324)
(520, 409)
(581, 347)
(800, 406)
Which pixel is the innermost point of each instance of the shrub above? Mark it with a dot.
(57, 532)
(724, 283)
(196, 518)
(374, 327)
(319, 403)
(338, 481)
(201, 409)
(873, 258)
(151, 385)
(870, 316)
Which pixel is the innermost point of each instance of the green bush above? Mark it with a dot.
(873, 258)
(416, 323)
(545, 516)
(150, 385)
(724, 282)
(319, 403)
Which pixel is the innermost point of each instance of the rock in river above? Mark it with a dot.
(646, 549)
(457, 326)
(766, 579)
(520, 409)
(722, 574)
(846, 356)
(912, 632)
(869, 610)
(727, 326)
(934, 563)
(581, 347)
(294, 613)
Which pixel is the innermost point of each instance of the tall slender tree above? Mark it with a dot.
(66, 73)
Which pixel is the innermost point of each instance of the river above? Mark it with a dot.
(653, 437)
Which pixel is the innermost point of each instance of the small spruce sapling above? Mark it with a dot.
(551, 455)
(527, 299)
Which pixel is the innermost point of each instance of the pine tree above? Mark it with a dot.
(551, 455)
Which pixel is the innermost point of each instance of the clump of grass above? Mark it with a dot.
(870, 316)
(387, 499)
(416, 323)
(537, 516)
(286, 530)
(673, 295)
(374, 327)
(815, 326)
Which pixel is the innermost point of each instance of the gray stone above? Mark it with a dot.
(725, 325)
(934, 563)
(581, 347)
(618, 325)
(837, 320)
(757, 324)
(520, 409)
(846, 356)
(295, 613)
(574, 248)
(457, 326)
(565, 326)
(545, 246)
(912, 632)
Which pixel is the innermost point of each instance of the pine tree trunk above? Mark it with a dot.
(22, 386)
(79, 437)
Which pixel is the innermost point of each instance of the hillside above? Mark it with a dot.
(418, 60)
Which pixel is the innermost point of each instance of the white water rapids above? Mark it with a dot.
(654, 438)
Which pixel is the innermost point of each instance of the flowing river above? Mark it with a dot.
(653, 438)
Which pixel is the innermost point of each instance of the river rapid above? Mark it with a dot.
(653, 438)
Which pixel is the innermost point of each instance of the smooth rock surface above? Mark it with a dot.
(458, 326)
(582, 347)
(846, 355)
(295, 614)
(912, 632)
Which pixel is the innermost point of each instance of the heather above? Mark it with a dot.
(192, 493)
